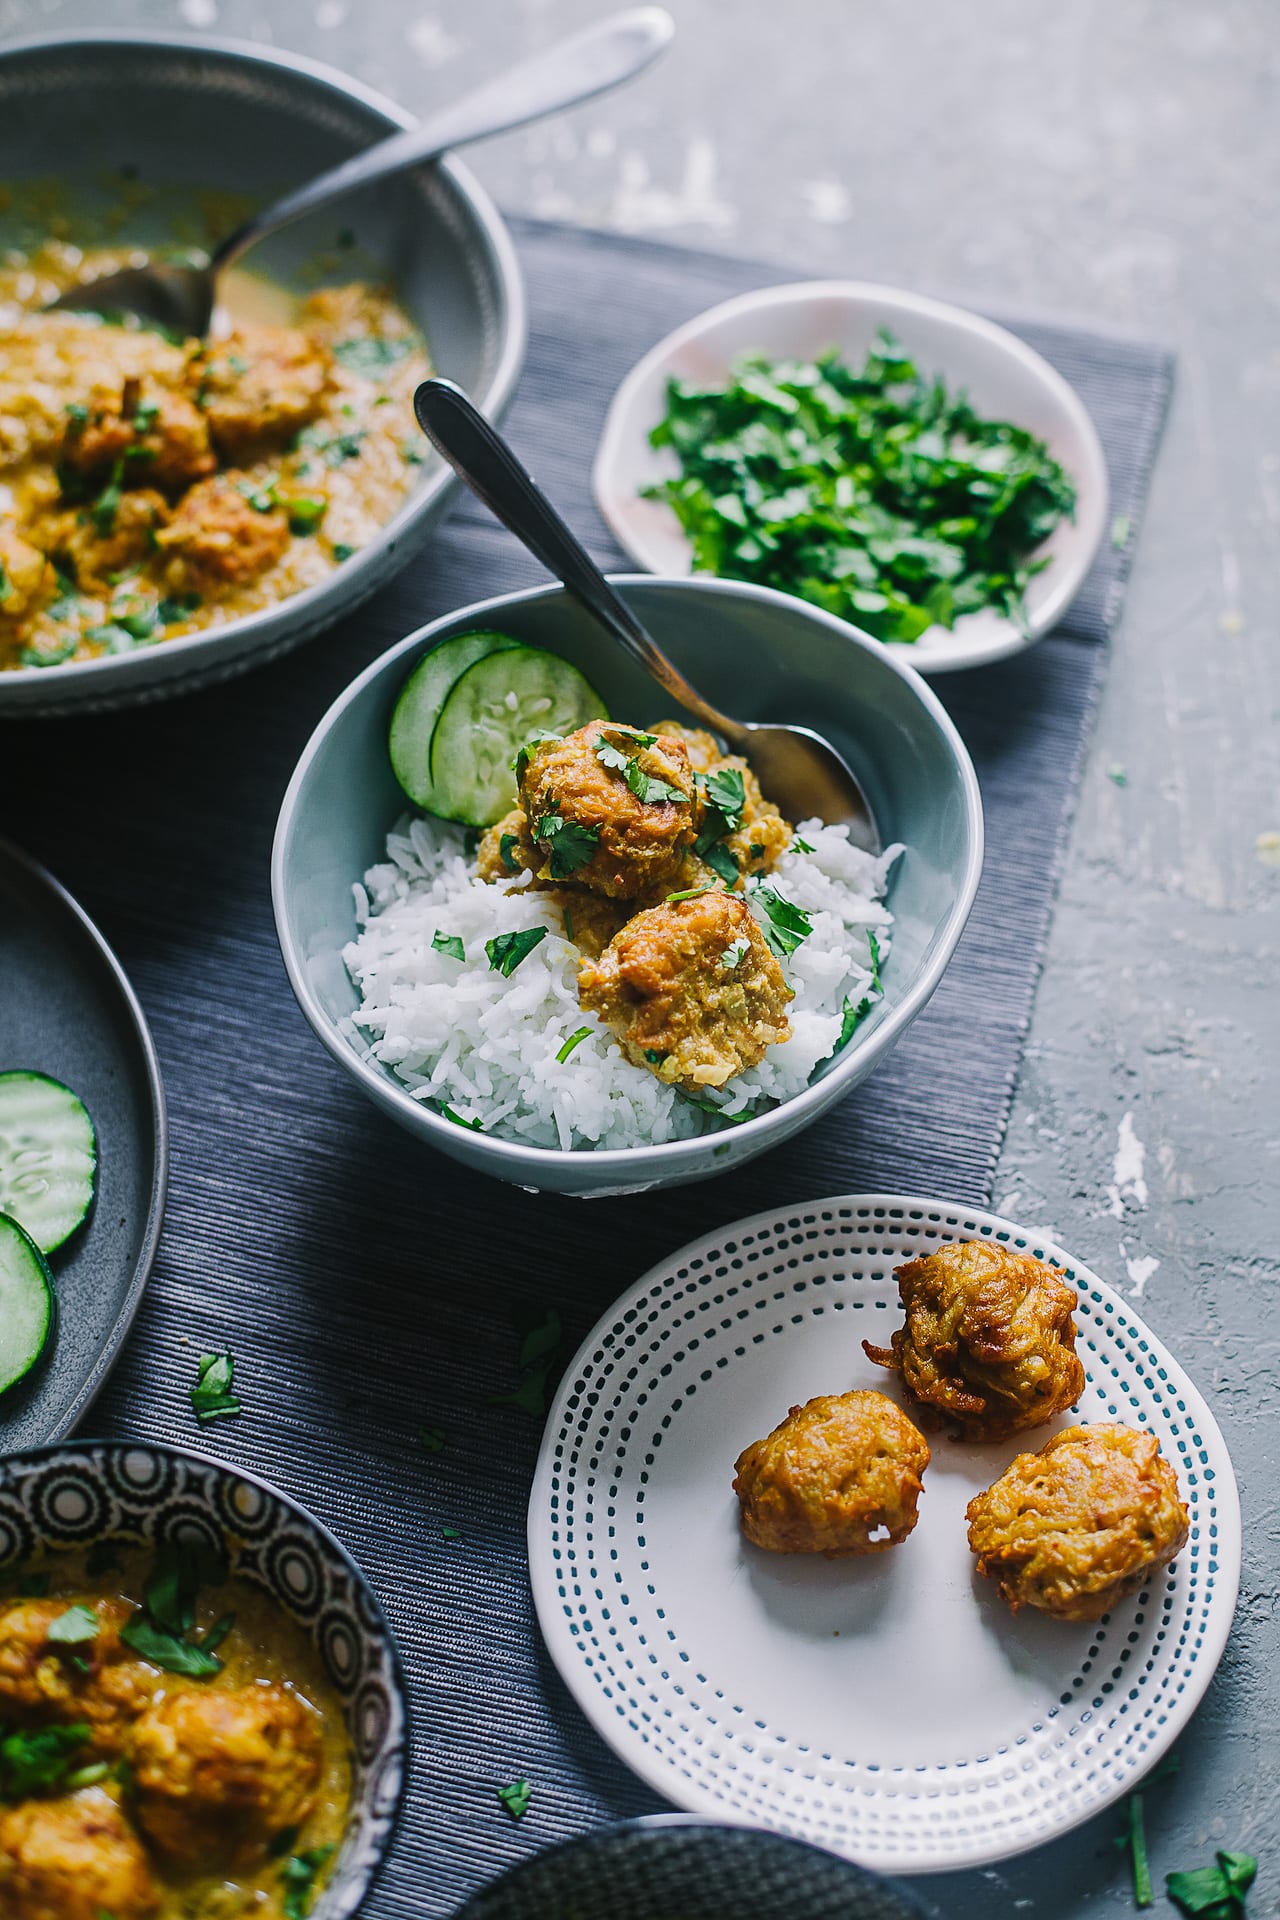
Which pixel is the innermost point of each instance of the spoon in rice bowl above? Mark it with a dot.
(800, 771)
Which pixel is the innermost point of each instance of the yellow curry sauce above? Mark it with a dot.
(106, 1818)
(149, 488)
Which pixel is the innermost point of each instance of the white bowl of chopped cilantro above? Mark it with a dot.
(910, 467)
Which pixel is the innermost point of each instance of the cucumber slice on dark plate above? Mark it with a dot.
(491, 710)
(26, 1303)
(421, 698)
(48, 1156)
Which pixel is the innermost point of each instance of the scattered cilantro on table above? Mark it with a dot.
(541, 1359)
(1216, 1892)
(212, 1397)
(515, 1798)
(874, 492)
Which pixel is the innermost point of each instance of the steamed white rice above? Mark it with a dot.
(460, 1035)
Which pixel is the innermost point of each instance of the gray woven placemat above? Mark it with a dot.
(366, 1285)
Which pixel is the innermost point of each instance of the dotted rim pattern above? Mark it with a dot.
(1146, 1667)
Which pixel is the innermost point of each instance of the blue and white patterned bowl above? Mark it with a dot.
(69, 1496)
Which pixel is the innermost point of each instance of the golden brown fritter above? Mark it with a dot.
(217, 538)
(73, 1859)
(1079, 1526)
(592, 920)
(219, 1774)
(690, 990)
(988, 1340)
(610, 809)
(257, 387)
(99, 1681)
(840, 1476)
(25, 574)
(150, 436)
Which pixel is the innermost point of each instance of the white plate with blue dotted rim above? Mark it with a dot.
(891, 1709)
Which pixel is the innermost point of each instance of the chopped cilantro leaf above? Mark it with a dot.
(1216, 1892)
(709, 1106)
(726, 792)
(38, 1761)
(212, 1397)
(49, 656)
(78, 414)
(298, 1881)
(787, 925)
(874, 944)
(541, 1343)
(372, 353)
(451, 1533)
(649, 790)
(719, 859)
(610, 756)
(506, 847)
(692, 893)
(801, 846)
(218, 1632)
(4, 584)
(166, 1651)
(472, 1126)
(341, 551)
(448, 943)
(515, 1798)
(569, 845)
(535, 739)
(262, 495)
(654, 1056)
(735, 954)
(74, 1627)
(176, 607)
(107, 505)
(507, 950)
(306, 511)
(432, 1439)
(853, 1019)
(574, 1040)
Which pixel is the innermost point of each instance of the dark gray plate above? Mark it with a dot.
(67, 1009)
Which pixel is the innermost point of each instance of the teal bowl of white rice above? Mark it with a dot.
(373, 900)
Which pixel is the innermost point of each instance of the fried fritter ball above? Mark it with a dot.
(609, 809)
(99, 1681)
(988, 1338)
(840, 1476)
(590, 919)
(690, 990)
(217, 538)
(220, 1774)
(153, 436)
(73, 1859)
(1079, 1526)
(257, 387)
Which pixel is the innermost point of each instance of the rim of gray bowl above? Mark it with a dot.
(673, 1154)
(33, 1456)
(306, 611)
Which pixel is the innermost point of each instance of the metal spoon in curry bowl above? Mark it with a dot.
(799, 771)
(182, 298)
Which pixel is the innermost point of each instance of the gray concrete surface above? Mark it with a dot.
(1117, 163)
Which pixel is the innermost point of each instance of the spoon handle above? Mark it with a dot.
(479, 455)
(571, 71)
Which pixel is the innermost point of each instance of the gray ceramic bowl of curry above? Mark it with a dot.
(175, 137)
(204, 1705)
